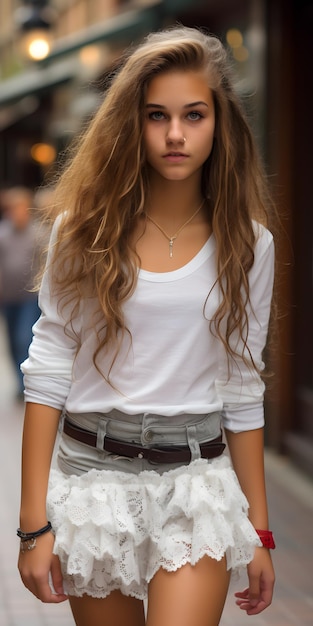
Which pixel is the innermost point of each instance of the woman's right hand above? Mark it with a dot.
(36, 565)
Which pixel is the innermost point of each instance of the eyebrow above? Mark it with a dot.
(150, 105)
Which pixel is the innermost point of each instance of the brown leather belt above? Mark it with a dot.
(209, 450)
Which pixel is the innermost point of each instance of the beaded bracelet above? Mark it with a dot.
(28, 540)
(267, 539)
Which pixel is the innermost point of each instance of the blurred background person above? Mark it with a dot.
(20, 251)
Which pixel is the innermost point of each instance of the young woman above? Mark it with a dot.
(155, 306)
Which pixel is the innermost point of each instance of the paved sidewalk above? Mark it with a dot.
(291, 512)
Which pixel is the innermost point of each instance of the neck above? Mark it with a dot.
(176, 200)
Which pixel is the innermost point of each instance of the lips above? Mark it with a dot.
(175, 157)
(175, 154)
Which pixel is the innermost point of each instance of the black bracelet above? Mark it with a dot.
(29, 536)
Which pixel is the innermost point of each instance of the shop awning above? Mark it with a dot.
(60, 66)
(36, 81)
(125, 26)
(118, 29)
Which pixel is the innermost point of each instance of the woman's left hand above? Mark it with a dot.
(258, 596)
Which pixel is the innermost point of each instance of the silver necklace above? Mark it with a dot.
(172, 238)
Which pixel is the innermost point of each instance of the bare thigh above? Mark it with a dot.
(191, 596)
(115, 610)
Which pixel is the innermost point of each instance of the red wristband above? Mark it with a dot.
(267, 539)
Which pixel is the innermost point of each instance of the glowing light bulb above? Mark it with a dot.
(38, 49)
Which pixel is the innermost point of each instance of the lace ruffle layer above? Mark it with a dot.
(115, 530)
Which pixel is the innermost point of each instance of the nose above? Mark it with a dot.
(175, 133)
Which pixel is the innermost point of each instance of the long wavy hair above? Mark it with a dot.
(103, 188)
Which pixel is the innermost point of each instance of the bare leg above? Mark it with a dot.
(191, 596)
(115, 610)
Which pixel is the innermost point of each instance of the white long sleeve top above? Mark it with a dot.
(173, 364)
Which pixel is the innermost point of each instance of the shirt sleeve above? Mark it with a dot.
(48, 368)
(239, 386)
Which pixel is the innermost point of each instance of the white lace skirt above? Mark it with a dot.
(114, 530)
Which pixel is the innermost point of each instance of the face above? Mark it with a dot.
(179, 124)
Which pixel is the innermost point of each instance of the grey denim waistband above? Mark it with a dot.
(146, 429)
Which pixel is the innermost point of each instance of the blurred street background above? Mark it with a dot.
(55, 58)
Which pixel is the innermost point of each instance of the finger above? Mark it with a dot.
(254, 610)
(242, 594)
(40, 587)
(264, 600)
(245, 604)
(56, 575)
(44, 592)
(251, 609)
(48, 597)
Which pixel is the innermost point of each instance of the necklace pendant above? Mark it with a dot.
(172, 239)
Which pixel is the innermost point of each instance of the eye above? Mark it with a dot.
(156, 116)
(194, 116)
